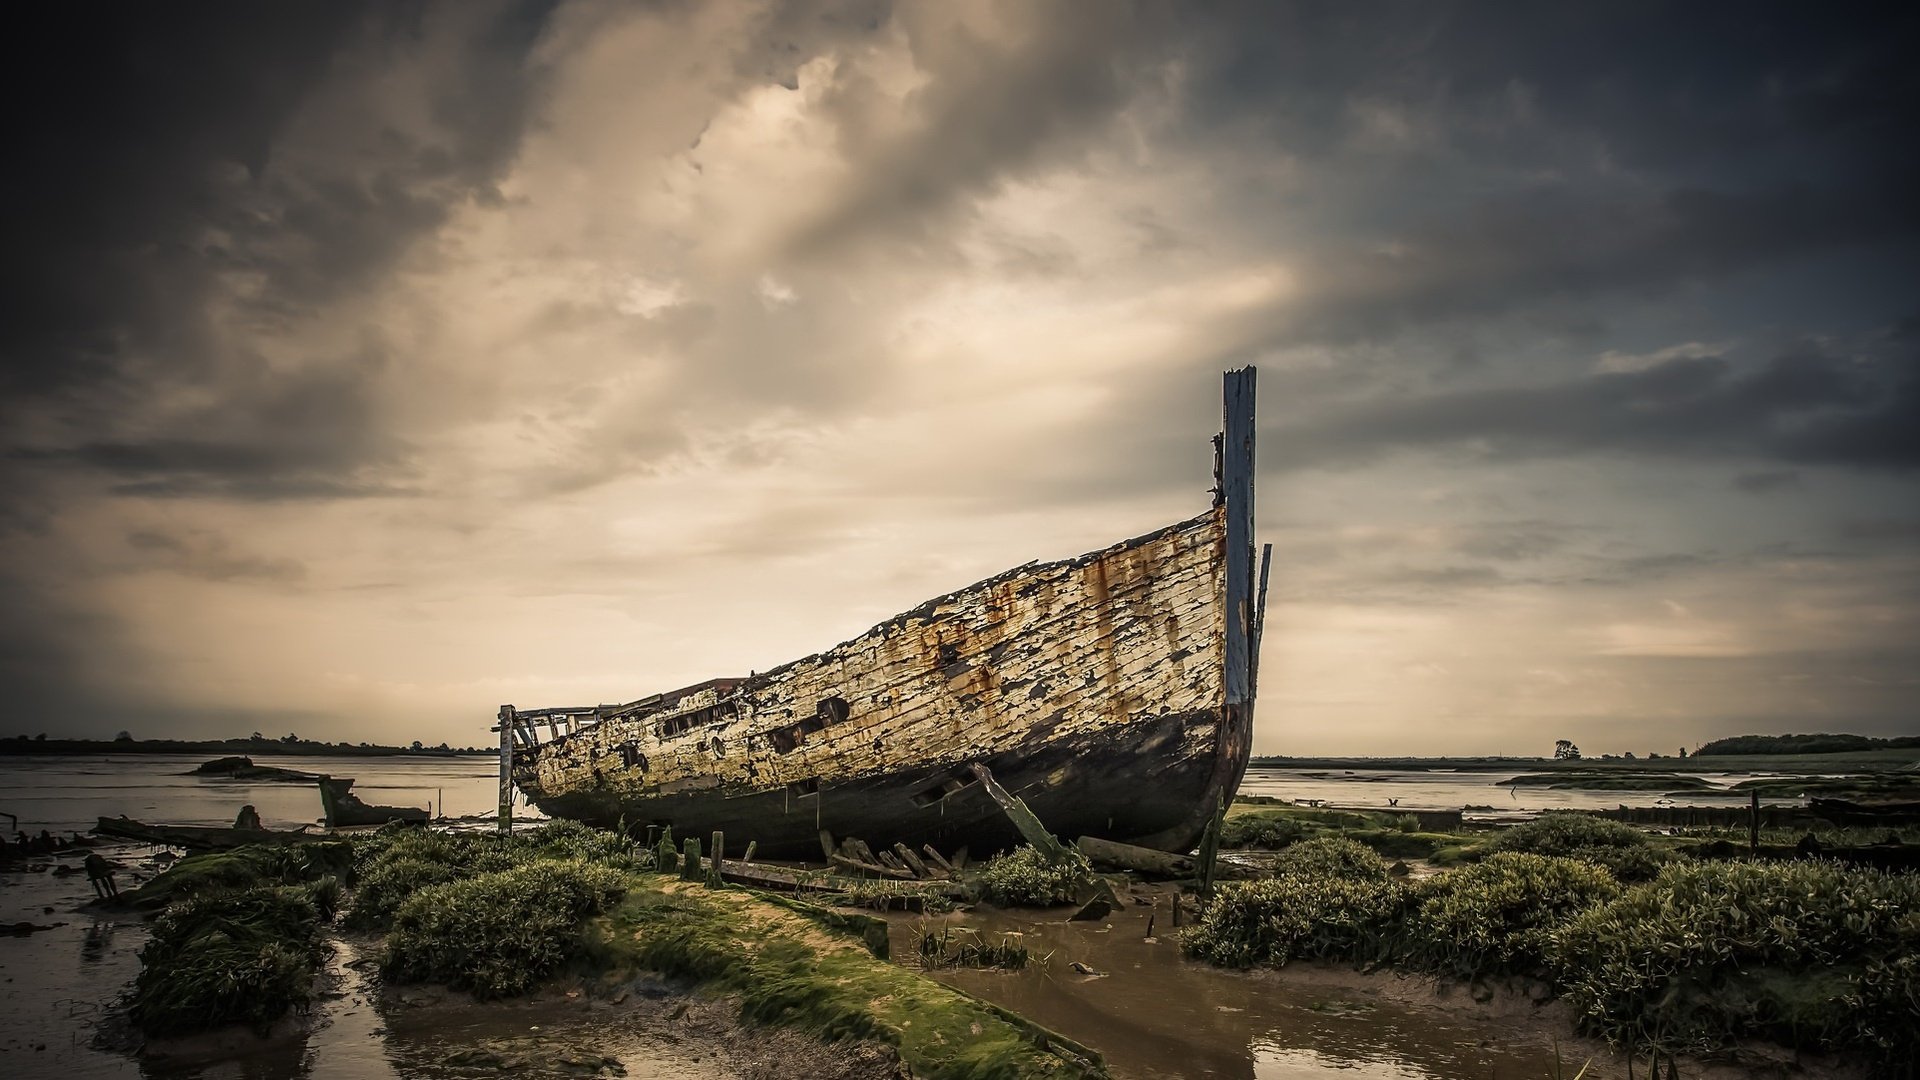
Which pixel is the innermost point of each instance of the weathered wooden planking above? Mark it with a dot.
(1122, 634)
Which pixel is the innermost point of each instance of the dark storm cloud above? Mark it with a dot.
(995, 101)
(159, 168)
(1802, 407)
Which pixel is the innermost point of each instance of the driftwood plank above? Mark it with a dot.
(1030, 827)
(872, 868)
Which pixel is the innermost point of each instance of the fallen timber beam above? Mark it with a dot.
(1035, 834)
(1154, 863)
(873, 868)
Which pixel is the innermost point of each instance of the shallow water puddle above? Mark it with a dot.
(1152, 1013)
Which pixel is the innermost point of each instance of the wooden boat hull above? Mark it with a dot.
(199, 837)
(1127, 787)
(1112, 692)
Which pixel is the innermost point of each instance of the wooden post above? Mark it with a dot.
(713, 867)
(506, 769)
(1753, 824)
(1236, 481)
(690, 860)
(748, 857)
(667, 860)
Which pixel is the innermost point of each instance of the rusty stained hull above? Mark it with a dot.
(1092, 687)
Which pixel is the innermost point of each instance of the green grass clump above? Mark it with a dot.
(1619, 847)
(393, 864)
(1297, 916)
(1263, 829)
(1808, 954)
(498, 934)
(1495, 917)
(1024, 877)
(1334, 857)
(247, 956)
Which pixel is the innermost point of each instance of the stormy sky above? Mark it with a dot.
(364, 367)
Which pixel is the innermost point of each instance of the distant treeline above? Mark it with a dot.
(1804, 744)
(258, 744)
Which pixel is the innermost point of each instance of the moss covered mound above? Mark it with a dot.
(790, 971)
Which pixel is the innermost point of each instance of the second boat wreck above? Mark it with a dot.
(1112, 692)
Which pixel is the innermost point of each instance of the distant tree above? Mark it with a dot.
(290, 738)
(42, 737)
(1564, 750)
(1683, 751)
(1651, 754)
(257, 737)
(125, 736)
(417, 746)
(1628, 755)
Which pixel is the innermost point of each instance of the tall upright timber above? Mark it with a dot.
(1113, 692)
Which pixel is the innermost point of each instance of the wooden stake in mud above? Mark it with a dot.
(748, 857)
(667, 860)
(1753, 824)
(1209, 853)
(506, 769)
(690, 860)
(713, 867)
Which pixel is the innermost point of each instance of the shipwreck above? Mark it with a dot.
(1113, 693)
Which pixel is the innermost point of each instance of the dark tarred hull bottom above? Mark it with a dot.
(1146, 783)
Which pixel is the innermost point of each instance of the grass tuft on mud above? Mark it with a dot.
(1025, 877)
(499, 934)
(1621, 848)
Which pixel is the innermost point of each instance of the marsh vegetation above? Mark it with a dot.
(1650, 948)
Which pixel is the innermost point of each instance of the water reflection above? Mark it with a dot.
(1155, 1014)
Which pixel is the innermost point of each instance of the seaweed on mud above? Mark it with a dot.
(239, 956)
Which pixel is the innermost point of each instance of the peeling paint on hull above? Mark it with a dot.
(1091, 687)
